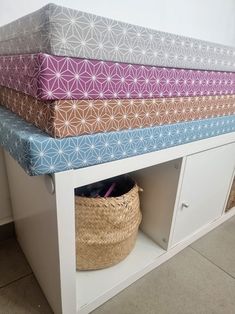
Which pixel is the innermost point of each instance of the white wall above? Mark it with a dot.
(212, 20)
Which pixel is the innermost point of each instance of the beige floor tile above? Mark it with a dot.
(186, 284)
(23, 297)
(13, 264)
(219, 246)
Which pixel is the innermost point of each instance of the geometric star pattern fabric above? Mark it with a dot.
(61, 31)
(38, 153)
(63, 118)
(100, 90)
(52, 77)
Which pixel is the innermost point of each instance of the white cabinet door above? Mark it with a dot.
(206, 179)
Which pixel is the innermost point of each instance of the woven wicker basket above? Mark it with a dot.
(106, 229)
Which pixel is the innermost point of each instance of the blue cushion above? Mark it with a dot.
(38, 153)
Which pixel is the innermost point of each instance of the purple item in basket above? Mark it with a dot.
(51, 77)
(110, 190)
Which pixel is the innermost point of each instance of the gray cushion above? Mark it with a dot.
(66, 32)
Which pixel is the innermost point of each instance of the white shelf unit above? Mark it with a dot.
(45, 223)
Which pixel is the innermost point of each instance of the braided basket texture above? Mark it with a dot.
(106, 229)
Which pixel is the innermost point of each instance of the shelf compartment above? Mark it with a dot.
(160, 184)
(97, 286)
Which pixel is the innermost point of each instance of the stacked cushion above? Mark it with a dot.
(38, 153)
(73, 74)
(63, 118)
(51, 77)
(66, 32)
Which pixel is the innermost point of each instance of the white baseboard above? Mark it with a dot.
(5, 220)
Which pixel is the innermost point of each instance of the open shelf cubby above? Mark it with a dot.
(159, 184)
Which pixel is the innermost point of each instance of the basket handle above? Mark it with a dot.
(140, 189)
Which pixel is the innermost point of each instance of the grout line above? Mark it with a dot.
(13, 281)
(212, 262)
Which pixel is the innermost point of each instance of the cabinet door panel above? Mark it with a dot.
(207, 176)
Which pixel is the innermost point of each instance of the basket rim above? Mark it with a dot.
(135, 186)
